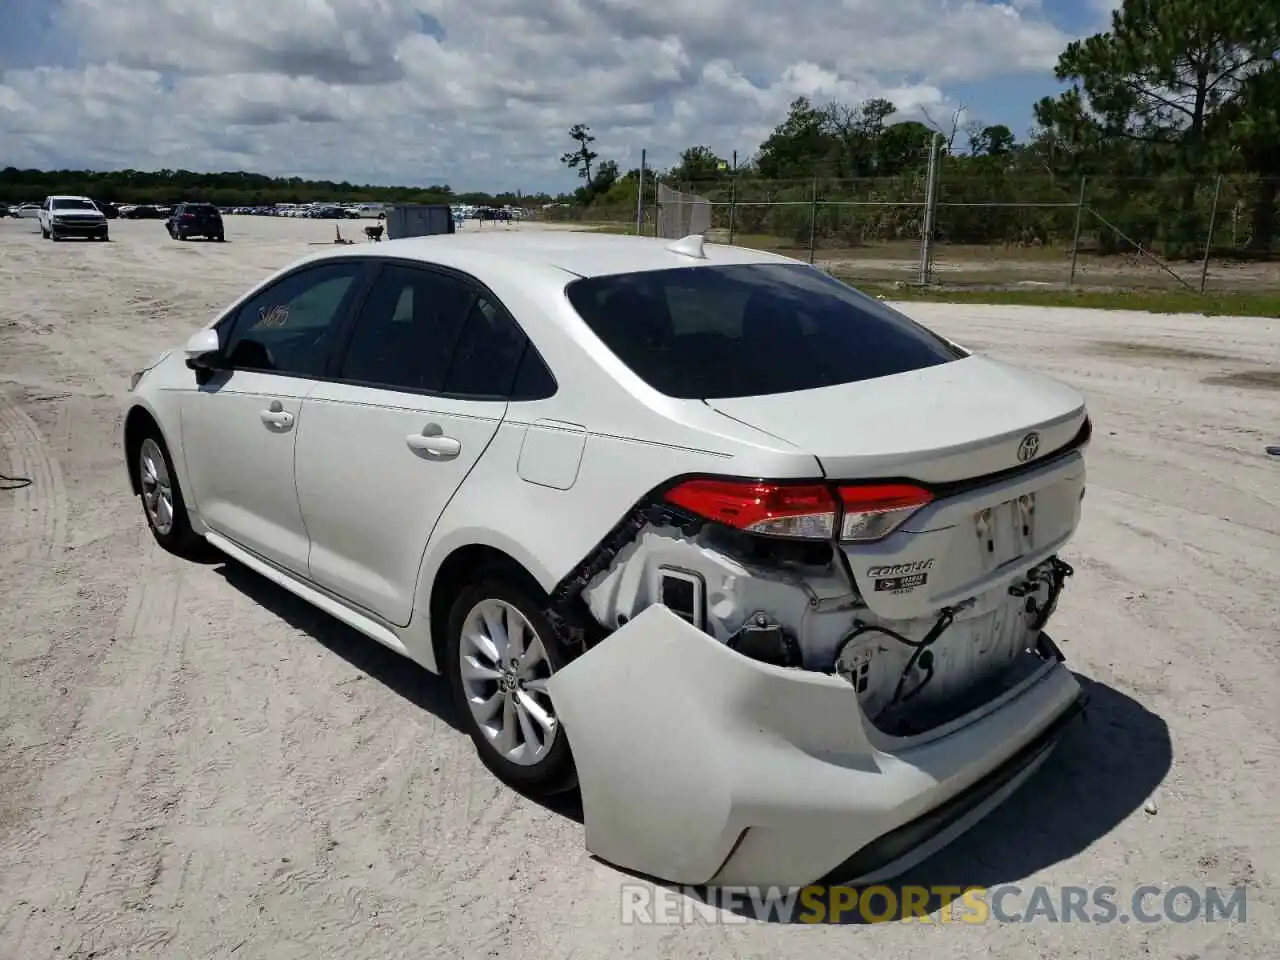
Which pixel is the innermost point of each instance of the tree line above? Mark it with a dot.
(235, 189)
(1171, 120)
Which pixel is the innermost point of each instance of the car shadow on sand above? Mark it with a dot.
(399, 674)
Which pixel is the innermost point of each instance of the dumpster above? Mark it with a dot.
(418, 220)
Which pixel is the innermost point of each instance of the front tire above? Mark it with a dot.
(501, 651)
(162, 502)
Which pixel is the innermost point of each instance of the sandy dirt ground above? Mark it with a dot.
(193, 764)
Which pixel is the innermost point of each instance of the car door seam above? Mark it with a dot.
(297, 493)
(426, 544)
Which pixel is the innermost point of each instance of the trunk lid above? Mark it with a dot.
(960, 429)
(941, 424)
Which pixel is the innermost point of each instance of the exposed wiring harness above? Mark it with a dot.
(1054, 578)
(1053, 575)
(921, 655)
(13, 483)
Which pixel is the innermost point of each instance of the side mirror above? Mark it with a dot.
(201, 347)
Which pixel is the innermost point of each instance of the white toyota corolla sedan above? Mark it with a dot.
(754, 560)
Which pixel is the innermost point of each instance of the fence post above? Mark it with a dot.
(1075, 239)
(930, 199)
(640, 196)
(733, 198)
(813, 221)
(1208, 242)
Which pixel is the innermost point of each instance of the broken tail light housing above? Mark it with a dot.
(810, 511)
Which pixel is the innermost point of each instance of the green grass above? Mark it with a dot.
(1266, 304)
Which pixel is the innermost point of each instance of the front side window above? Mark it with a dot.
(289, 327)
(750, 330)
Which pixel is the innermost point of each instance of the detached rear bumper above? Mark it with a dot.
(699, 765)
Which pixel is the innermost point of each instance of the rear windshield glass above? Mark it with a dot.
(750, 329)
(72, 204)
(200, 208)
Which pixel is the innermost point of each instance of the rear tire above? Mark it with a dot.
(162, 502)
(486, 621)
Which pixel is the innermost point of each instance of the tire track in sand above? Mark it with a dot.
(116, 786)
(38, 511)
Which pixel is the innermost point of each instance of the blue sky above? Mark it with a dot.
(479, 93)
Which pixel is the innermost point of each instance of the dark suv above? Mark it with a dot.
(195, 220)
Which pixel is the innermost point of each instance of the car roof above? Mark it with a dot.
(584, 254)
(67, 196)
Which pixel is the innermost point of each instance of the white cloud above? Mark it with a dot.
(479, 93)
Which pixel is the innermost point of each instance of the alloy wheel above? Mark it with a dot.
(157, 487)
(504, 671)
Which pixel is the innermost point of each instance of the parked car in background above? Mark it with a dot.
(28, 211)
(757, 561)
(195, 220)
(63, 217)
(109, 210)
(144, 211)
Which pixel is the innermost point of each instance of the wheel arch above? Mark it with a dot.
(140, 419)
(464, 565)
(138, 423)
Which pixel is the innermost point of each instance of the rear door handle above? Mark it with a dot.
(276, 416)
(432, 442)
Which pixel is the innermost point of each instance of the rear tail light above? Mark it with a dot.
(872, 511)
(188, 216)
(812, 511)
(776, 509)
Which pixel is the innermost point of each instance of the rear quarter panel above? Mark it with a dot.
(635, 440)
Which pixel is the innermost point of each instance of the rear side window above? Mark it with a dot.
(750, 330)
(487, 357)
(405, 335)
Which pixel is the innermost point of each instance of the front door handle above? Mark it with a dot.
(432, 442)
(276, 416)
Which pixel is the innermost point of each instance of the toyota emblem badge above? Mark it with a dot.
(1029, 447)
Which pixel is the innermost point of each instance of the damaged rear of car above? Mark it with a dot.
(824, 677)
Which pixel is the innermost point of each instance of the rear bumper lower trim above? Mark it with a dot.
(895, 845)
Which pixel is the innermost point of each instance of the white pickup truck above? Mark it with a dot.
(62, 217)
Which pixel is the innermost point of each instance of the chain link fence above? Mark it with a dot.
(681, 214)
(1000, 230)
